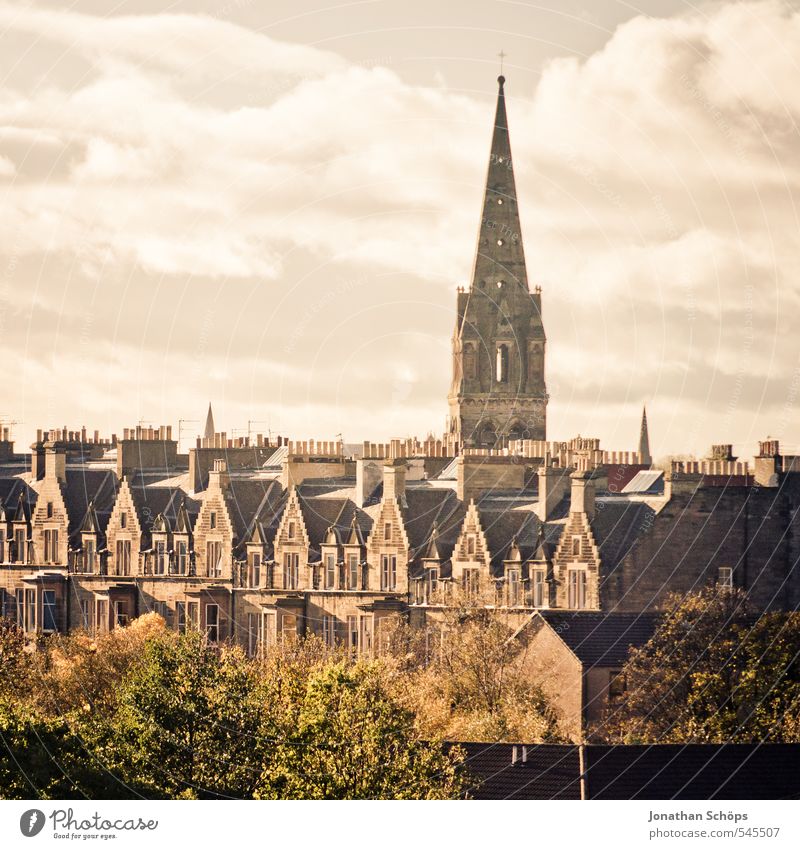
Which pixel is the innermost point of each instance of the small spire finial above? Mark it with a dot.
(502, 55)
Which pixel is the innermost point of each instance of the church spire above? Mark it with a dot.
(500, 258)
(644, 441)
(209, 431)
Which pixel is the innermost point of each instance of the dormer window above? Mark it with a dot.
(513, 587)
(330, 572)
(352, 571)
(213, 520)
(51, 545)
(181, 556)
(160, 553)
(89, 554)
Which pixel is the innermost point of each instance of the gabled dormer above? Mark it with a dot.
(124, 534)
(576, 562)
(291, 547)
(214, 535)
(50, 519)
(87, 557)
(160, 549)
(20, 532)
(388, 548)
(182, 544)
(256, 574)
(355, 557)
(472, 558)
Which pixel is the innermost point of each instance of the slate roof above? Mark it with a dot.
(84, 487)
(425, 506)
(617, 526)
(10, 490)
(550, 772)
(251, 501)
(694, 771)
(322, 514)
(504, 527)
(598, 638)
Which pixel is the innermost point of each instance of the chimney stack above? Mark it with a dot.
(582, 495)
(394, 480)
(55, 461)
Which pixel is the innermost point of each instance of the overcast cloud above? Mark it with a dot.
(199, 206)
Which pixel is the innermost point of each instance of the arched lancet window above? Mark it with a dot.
(469, 361)
(501, 368)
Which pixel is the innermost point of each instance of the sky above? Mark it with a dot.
(270, 206)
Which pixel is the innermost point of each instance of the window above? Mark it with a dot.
(616, 685)
(576, 589)
(180, 616)
(513, 587)
(89, 555)
(193, 614)
(352, 633)
(120, 614)
(123, 557)
(254, 578)
(471, 544)
(576, 546)
(30, 610)
(433, 581)
(388, 572)
(330, 572)
(501, 366)
(212, 622)
(123, 520)
(212, 519)
(725, 578)
(419, 591)
(214, 559)
(253, 625)
(288, 626)
(20, 545)
(85, 614)
(291, 569)
(49, 509)
(539, 588)
(49, 619)
(470, 579)
(161, 557)
(101, 614)
(365, 628)
(291, 530)
(2, 546)
(269, 628)
(329, 630)
(352, 571)
(51, 545)
(387, 531)
(182, 557)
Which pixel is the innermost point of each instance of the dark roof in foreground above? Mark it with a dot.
(694, 771)
(691, 771)
(598, 638)
(549, 772)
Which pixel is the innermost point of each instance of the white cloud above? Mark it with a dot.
(658, 181)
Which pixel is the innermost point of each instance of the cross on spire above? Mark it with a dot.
(502, 56)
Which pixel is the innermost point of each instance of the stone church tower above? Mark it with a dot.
(498, 390)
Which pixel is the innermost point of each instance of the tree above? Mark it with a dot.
(712, 673)
(187, 721)
(467, 679)
(347, 738)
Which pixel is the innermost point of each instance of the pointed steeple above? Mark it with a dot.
(209, 431)
(500, 257)
(644, 440)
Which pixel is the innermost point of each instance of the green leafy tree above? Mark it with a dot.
(187, 721)
(345, 737)
(713, 672)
